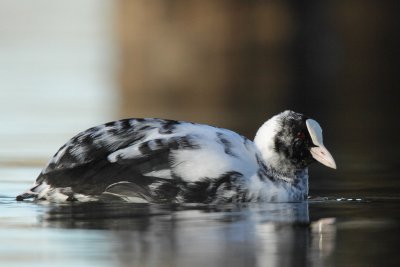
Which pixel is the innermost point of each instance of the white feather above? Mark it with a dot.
(264, 140)
(210, 160)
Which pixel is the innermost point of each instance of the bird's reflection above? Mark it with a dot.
(268, 234)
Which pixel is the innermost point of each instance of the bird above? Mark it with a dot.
(151, 160)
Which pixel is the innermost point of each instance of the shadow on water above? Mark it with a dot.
(129, 216)
(315, 233)
(245, 235)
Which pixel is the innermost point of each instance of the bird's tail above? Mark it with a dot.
(32, 192)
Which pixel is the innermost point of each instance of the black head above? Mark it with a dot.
(293, 141)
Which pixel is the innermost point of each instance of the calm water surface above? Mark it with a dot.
(327, 231)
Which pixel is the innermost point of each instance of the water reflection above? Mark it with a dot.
(279, 234)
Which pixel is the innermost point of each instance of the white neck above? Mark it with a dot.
(264, 141)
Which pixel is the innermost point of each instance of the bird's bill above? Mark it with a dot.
(322, 155)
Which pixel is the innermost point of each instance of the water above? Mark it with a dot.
(323, 231)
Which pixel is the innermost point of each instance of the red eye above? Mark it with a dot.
(301, 135)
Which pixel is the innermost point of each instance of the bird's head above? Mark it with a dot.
(292, 141)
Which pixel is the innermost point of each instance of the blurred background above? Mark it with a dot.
(68, 65)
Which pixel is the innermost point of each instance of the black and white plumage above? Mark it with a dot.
(166, 161)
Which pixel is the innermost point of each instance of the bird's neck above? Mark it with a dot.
(275, 162)
(265, 142)
(294, 184)
(289, 176)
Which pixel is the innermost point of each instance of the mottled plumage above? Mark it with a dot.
(158, 161)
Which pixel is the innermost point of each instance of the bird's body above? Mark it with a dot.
(158, 161)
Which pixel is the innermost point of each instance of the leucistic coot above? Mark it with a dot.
(167, 161)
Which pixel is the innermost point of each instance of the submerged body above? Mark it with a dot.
(158, 161)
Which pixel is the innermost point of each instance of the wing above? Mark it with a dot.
(98, 142)
(149, 159)
(82, 164)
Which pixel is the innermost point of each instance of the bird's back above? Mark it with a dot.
(150, 160)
